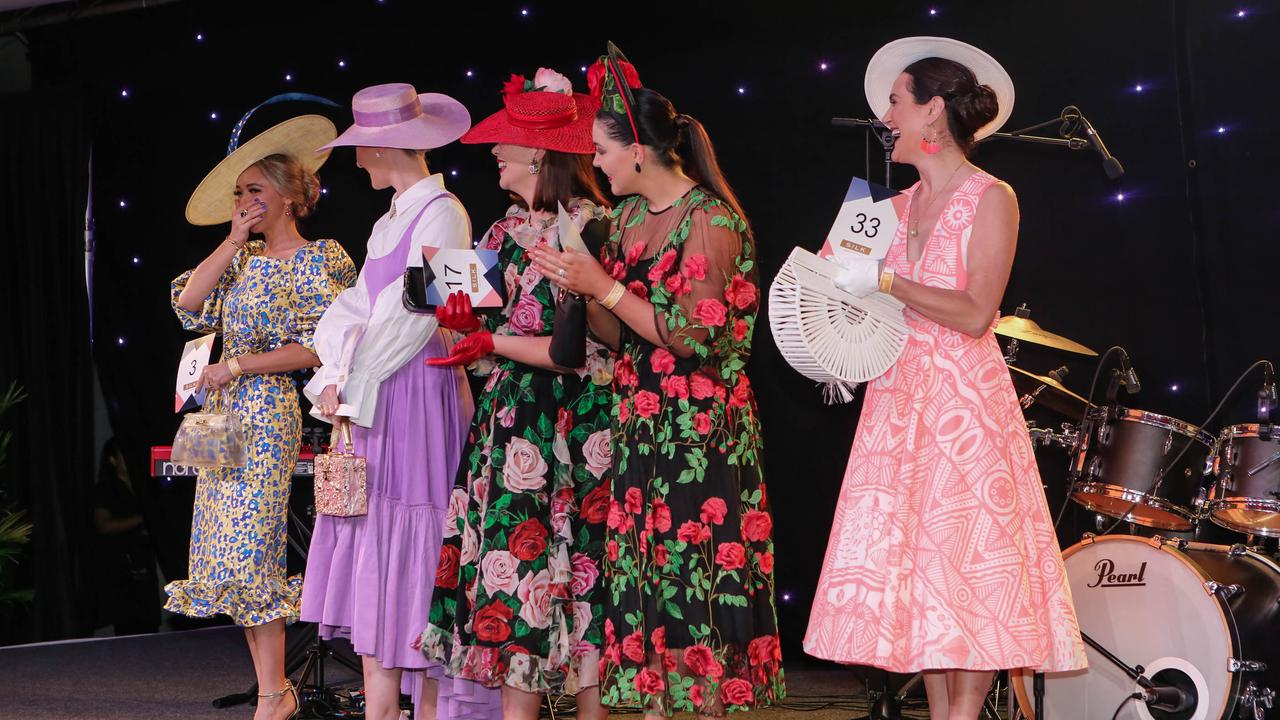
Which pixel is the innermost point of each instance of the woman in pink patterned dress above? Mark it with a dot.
(942, 555)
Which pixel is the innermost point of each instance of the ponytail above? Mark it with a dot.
(701, 166)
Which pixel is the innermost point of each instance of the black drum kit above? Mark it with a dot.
(1176, 628)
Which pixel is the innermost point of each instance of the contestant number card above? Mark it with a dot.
(474, 272)
(866, 223)
(195, 358)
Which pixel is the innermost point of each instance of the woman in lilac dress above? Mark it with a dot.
(369, 578)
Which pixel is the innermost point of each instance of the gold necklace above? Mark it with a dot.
(915, 223)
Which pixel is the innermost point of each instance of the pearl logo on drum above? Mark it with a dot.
(1108, 577)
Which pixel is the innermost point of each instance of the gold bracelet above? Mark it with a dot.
(614, 296)
(234, 366)
(234, 244)
(886, 280)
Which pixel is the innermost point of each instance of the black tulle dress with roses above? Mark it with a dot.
(519, 595)
(691, 623)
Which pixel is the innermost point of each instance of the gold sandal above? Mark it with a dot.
(288, 689)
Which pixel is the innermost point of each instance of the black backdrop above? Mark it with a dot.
(1180, 271)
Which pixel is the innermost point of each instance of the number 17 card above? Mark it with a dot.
(474, 272)
(866, 223)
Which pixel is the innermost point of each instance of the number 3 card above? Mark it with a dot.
(866, 223)
(475, 272)
(195, 358)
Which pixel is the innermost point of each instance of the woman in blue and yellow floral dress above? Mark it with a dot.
(691, 623)
(264, 297)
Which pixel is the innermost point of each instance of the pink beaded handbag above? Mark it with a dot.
(340, 484)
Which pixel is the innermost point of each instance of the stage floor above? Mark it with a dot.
(177, 674)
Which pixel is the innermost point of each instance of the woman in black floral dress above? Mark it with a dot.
(691, 623)
(519, 597)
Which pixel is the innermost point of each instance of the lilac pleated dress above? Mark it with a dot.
(369, 579)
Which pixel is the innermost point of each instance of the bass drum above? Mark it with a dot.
(1201, 617)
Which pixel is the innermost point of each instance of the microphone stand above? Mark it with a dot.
(1069, 119)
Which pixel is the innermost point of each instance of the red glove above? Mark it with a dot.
(456, 314)
(468, 350)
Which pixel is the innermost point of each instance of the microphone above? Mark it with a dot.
(888, 138)
(1129, 376)
(1110, 165)
(1167, 698)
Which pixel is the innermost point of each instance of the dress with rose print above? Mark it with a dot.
(518, 598)
(691, 624)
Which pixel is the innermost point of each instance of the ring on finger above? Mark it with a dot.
(244, 213)
(560, 272)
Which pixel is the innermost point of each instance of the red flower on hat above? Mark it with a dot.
(515, 85)
(595, 77)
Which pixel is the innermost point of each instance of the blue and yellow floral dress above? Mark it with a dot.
(261, 303)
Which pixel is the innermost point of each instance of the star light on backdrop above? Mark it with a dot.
(822, 66)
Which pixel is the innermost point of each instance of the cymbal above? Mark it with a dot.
(1026, 329)
(1048, 393)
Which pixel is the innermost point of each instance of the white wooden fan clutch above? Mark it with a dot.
(829, 335)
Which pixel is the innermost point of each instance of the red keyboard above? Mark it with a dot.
(162, 466)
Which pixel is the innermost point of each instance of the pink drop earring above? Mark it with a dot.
(930, 146)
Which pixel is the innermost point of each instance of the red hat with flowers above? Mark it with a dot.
(543, 112)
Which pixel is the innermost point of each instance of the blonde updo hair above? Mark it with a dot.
(300, 187)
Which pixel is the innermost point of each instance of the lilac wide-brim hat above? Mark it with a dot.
(394, 115)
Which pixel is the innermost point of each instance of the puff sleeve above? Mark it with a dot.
(209, 317)
(317, 281)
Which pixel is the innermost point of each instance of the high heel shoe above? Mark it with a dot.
(288, 689)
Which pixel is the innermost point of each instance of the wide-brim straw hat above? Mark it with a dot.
(889, 62)
(212, 203)
(548, 120)
(394, 115)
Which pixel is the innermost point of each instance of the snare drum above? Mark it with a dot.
(1119, 459)
(1246, 495)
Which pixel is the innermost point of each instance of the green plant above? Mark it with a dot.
(15, 530)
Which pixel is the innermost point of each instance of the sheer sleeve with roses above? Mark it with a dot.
(701, 291)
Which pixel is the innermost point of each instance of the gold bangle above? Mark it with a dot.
(886, 280)
(234, 366)
(614, 296)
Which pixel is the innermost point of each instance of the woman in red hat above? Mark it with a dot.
(519, 593)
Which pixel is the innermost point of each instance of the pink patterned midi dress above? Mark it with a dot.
(942, 554)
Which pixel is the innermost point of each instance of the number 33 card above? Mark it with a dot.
(195, 358)
(866, 223)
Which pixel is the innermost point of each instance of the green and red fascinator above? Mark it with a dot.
(611, 80)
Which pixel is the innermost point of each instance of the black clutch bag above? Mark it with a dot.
(414, 297)
(569, 334)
